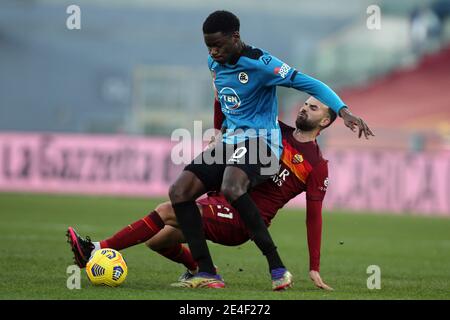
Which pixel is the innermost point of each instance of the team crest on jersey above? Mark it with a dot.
(298, 158)
(243, 77)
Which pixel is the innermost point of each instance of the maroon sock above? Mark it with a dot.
(179, 254)
(135, 233)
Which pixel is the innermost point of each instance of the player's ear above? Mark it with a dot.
(236, 36)
(325, 122)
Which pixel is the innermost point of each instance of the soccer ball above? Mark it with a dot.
(107, 267)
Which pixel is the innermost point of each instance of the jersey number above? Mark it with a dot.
(228, 214)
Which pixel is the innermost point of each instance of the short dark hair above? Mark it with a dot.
(221, 21)
(332, 115)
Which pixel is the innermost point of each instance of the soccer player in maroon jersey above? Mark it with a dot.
(303, 169)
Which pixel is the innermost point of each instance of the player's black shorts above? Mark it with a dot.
(253, 156)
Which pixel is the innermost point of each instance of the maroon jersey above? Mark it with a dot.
(302, 170)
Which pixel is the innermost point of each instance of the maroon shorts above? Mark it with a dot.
(221, 222)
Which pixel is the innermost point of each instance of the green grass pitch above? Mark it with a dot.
(412, 252)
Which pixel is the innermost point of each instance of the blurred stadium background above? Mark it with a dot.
(90, 112)
(137, 69)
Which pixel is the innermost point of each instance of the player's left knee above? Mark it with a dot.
(165, 211)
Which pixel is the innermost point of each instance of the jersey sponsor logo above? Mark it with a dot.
(266, 59)
(281, 177)
(298, 158)
(229, 98)
(283, 70)
(243, 77)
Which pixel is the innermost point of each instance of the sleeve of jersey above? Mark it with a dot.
(316, 187)
(278, 73)
(218, 115)
(317, 183)
(314, 232)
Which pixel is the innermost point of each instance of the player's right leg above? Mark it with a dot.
(197, 178)
(133, 234)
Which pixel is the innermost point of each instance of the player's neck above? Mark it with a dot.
(234, 59)
(241, 47)
(305, 136)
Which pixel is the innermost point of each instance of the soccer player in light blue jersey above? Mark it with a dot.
(246, 111)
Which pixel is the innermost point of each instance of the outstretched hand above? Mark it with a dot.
(318, 282)
(354, 122)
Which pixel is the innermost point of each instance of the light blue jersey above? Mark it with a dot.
(246, 91)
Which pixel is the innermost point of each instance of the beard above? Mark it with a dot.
(304, 124)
